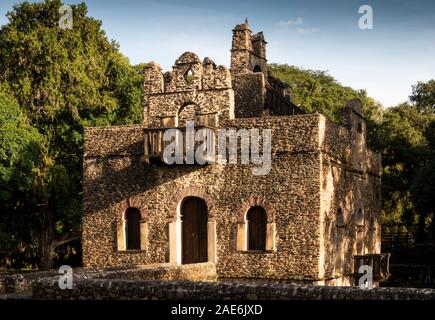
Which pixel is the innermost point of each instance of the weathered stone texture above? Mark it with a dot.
(47, 289)
(318, 169)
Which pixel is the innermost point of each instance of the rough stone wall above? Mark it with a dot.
(249, 91)
(208, 89)
(179, 290)
(309, 179)
(317, 169)
(113, 182)
(248, 51)
(351, 181)
(21, 282)
(11, 283)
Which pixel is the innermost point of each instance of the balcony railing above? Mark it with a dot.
(154, 144)
(380, 264)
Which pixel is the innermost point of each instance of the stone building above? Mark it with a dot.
(316, 209)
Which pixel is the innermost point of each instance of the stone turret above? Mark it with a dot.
(153, 76)
(248, 51)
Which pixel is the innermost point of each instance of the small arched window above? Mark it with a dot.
(257, 224)
(132, 228)
(339, 218)
(188, 75)
(360, 128)
(360, 218)
(257, 68)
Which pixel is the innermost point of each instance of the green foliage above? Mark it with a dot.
(20, 146)
(423, 96)
(318, 91)
(402, 141)
(20, 156)
(404, 135)
(63, 80)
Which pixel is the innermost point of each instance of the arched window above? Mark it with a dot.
(188, 75)
(360, 218)
(339, 218)
(360, 232)
(257, 68)
(360, 128)
(339, 242)
(132, 228)
(257, 222)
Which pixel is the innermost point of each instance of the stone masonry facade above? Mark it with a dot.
(321, 198)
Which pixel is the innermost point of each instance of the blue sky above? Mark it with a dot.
(321, 35)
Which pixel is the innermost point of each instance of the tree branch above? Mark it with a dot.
(66, 238)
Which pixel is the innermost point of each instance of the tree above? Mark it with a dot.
(20, 156)
(404, 135)
(422, 190)
(64, 80)
(318, 91)
(423, 96)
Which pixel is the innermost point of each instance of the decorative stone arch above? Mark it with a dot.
(133, 202)
(191, 191)
(183, 103)
(175, 223)
(242, 223)
(254, 202)
(121, 223)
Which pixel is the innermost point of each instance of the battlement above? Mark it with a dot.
(188, 74)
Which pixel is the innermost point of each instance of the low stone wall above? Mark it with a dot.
(22, 282)
(105, 289)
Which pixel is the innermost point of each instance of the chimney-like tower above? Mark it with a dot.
(248, 51)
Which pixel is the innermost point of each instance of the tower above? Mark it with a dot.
(248, 51)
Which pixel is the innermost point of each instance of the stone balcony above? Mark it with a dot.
(155, 144)
(380, 264)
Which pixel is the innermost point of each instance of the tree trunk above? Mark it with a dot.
(421, 232)
(46, 238)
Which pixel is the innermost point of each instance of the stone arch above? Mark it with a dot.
(340, 242)
(242, 223)
(257, 68)
(191, 191)
(175, 223)
(359, 218)
(133, 202)
(255, 202)
(360, 226)
(121, 236)
(339, 220)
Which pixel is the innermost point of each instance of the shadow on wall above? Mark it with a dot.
(113, 178)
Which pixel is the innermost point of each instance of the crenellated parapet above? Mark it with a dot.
(188, 74)
(194, 90)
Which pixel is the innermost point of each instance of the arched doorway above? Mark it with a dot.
(257, 221)
(194, 217)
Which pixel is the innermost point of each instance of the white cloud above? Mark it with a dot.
(294, 22)
(306, 30)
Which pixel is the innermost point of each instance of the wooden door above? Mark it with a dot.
(194, 236)
(257, 221)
